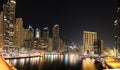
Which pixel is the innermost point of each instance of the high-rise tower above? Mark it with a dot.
(117, 30)
(56, 38)
(37, 33)
(8, 22)
(19, 32)
(31, 30)
(88, 41)
(1, 29)
(45, 36)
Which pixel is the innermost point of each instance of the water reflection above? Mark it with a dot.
(66, 59)
(41, 62)
(14, 61)
(27, 60)
(22, 62)
(73, 59)
(52, 58)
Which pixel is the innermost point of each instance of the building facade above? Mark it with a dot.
(37, 33)
(50, 44)
(8, 25)
(8, 22)
(31, 30)
(45, 37)
(28, 38)
(1, 29)
(88, 41)
(19, 32)
(56, 38)
(98, 47)
(117, 31)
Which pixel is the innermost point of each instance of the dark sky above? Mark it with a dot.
(72, 16)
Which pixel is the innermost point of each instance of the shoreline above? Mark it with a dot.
(19, 57)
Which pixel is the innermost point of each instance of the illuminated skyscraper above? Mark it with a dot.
(36, 40)
(37, 33)
(45, 36)
(31, 30)
(28, 37)
(19, 32)
(8, 22)
(1, 28)
(117, 31)
(56, 38)
(88, 41)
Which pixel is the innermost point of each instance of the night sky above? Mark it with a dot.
(72, 16)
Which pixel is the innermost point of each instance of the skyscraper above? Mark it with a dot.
(8, 22)
(31, 30)
(88, 41)
(36, 40)
(98, 47)
(1, 29)
(117, 31)
(56, 38)
(28, 37)
(45, 36)
(37, 33)
(19, 32)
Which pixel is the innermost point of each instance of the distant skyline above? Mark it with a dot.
(73, 17)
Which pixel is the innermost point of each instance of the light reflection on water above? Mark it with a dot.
(27, 60)
(70, 59)
(73, 59)
(22, 62)
(15, 61)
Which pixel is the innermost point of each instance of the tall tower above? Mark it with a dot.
(56, 38)
(88, 41)
(1, 29)
(19, 32)
(45, 35)
(98, 47)
(8, 22)
(117, 31)
(37, 33)
(31, 30)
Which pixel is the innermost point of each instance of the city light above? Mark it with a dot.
(32, 42)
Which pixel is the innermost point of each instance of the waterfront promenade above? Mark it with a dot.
(113, 62)
(23, 56)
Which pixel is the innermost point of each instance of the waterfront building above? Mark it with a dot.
(45, 37)
(8, 22)
(28, 37)
(117, 31)
(19, 32)
(1, 28)
(42, 43)
(98, 47)
(61, 47)
(66, 46)
(50, 44)
(89, 38)
(36, 39)
(36, 43)
(31, 31)
(37, 33)
(56, 38)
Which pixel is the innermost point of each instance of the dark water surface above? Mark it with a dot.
(52, 62)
